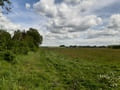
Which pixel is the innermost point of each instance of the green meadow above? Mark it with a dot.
(63, 69)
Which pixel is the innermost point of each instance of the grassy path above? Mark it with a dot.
(48, 70)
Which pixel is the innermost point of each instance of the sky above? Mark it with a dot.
(67, 22)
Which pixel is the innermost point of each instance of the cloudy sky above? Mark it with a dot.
(68, 22)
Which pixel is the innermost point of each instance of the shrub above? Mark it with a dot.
(8, 56)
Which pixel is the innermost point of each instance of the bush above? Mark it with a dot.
(8, 56)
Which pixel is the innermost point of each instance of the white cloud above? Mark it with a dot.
(67, 16)
(5, 23)
(46, 7)
(109, 34)
(28, 6)
(114, 22)
(74, 20)
(111, 30)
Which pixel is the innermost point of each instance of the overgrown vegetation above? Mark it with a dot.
(63, 69)
(20, 43)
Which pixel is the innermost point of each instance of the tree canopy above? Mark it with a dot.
(21, 42)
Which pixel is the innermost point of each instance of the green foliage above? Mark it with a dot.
(20, 43)
(35, 36)
(19, 35)
(4, 38)
(51, 69)
(9, 56)
(20, 47)
(114, 46)
(62, 46)
(26, 41)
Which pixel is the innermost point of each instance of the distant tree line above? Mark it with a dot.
(75, 46)
(114, 46)
(20, 43)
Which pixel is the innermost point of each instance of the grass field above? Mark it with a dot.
(63, 69)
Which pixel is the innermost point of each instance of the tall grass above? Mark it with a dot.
(62, 69)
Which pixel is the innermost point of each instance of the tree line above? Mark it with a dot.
(21, 42)
(75, 46)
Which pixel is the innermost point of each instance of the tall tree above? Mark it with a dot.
(37, 38)
(19, 35)
(5, 37)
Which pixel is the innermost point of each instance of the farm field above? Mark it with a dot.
(63, 69)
